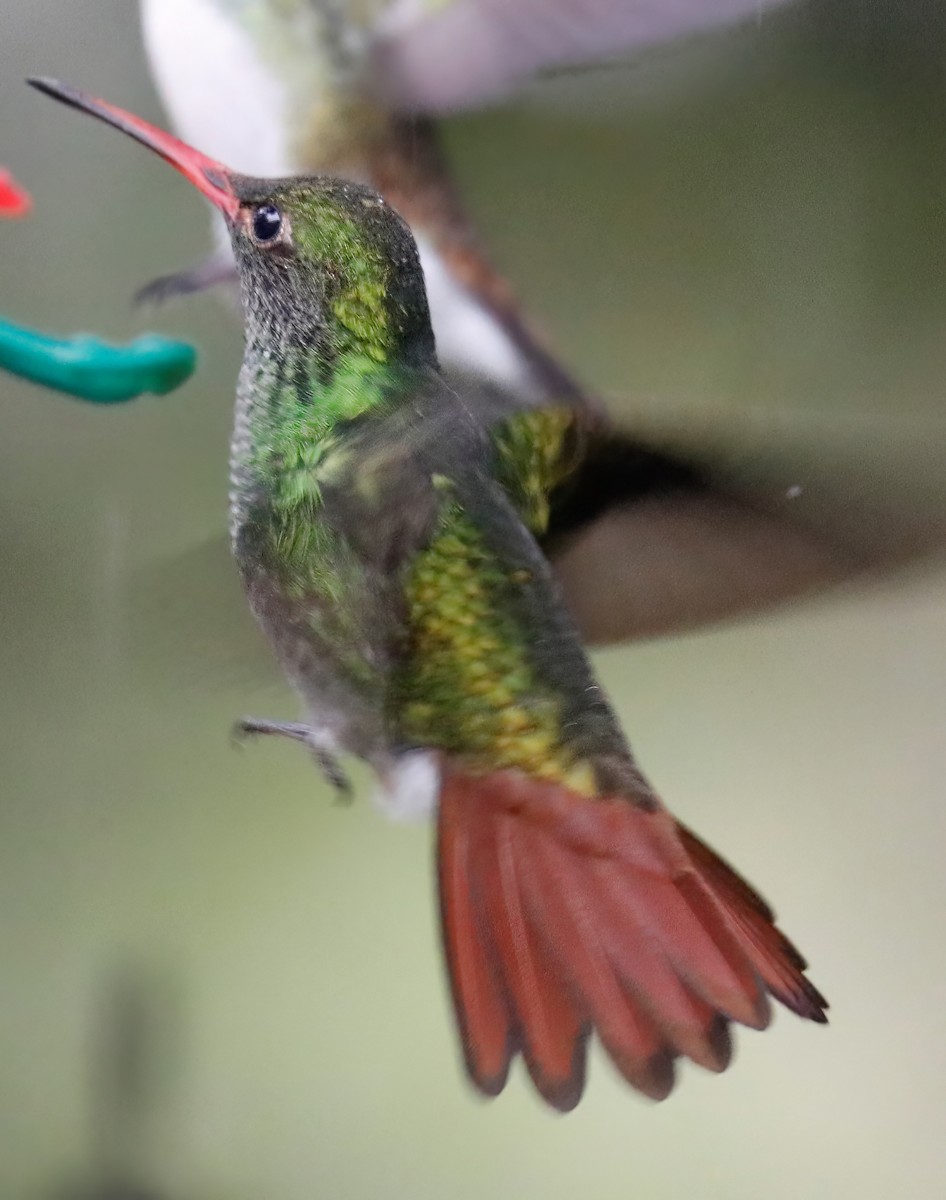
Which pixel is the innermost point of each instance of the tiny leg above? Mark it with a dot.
(217, 268)
(309, 737)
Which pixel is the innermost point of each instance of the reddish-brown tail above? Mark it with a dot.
(563, 915)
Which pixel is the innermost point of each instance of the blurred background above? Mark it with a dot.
(218, 984)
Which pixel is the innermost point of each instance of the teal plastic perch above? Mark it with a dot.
(93, 369)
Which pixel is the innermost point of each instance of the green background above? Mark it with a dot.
(217, 984)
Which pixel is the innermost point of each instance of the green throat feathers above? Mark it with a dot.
(334, 324)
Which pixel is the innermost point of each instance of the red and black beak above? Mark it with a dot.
(210, 177)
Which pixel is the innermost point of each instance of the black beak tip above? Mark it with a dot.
(52, 87)
(43, 83)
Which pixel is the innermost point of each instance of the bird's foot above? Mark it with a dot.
(314, 742)
(217, 268)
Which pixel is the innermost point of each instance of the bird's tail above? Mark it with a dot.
(564, 914)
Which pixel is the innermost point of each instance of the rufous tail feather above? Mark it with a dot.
(564, 914)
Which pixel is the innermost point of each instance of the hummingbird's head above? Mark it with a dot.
(322, 262)
(321, 252)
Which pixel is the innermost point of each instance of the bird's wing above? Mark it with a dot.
(440, 56)
(677, 520)
(682, 519)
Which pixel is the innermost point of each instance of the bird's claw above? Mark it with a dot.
(310, 738)
(214, 270)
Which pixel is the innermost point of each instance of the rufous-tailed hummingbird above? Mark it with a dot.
(388, 531)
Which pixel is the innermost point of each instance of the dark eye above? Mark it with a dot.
(267, 222)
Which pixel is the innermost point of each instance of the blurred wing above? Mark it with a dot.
(438, 57)
(691, 518)
(699, 517)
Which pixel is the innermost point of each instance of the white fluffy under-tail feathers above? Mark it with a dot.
(408, 791)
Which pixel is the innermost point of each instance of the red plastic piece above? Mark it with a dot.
(14, 200)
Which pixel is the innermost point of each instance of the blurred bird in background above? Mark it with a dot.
(352, 88)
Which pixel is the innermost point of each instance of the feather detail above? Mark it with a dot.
(779, 964)
(485, 1019)
(564, 913)
(552, 1031)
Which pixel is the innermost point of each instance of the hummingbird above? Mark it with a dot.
(354, 88)
(388, 529)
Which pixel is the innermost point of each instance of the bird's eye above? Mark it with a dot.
(267, 222)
